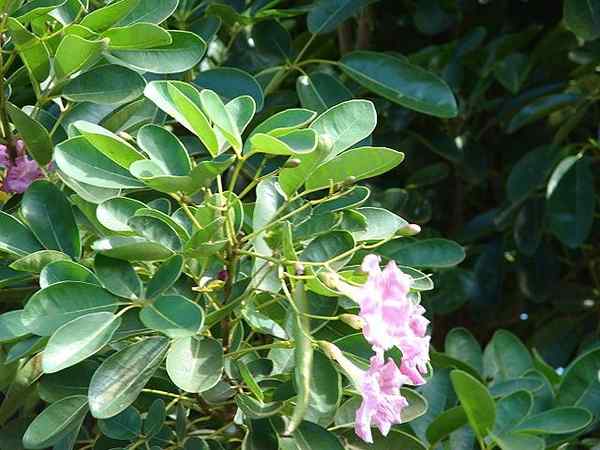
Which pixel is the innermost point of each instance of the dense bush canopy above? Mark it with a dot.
(299, 225)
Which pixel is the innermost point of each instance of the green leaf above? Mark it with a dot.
(206, 171)
(173, 315)
(122, 376)
(325, 15)
(115, 212)
(50, 308)
(75, 53)
(294, 143)
(80, 160)
(303, 357)
(401, 82)
(571, 206)
(118, 277)
(32, 50)
(36, 137)
(346, 124)
(477, 402)
(156, 230)
(111, 145)
(320, 91)
(49, 214)
(511, 410)
(446, 423)
(11, 326)
(65, 270)
(155, 417)
(516, 441)
(356, 196)
(556, 421)
(461, 344)
(582, 17)
(580, 384)
(165, 277)
(328, 246)
(105, 85)
(359, 163)
(530, 172)
(310, 436)
(127, 12)
(182, 102)
(396, 439)
(215, 109)
(79, 339)
(184, 52)
(35, 262)
(285, 121)
(230, 83)
(505, 357)
(15, 237)
(424, 253)
(125, 426)
(137, 36)
(36, 8)
(55, 422)
(165, 149)
(132, 248)
(195, 364)
(255, 409)
(540, 108)
(381, 224)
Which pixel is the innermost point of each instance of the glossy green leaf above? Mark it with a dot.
(446, 423)
(50, 217)
(310, 436)
(105, 85)
(285, 121)
(118, 277)
(516, 441)
(477, 402)
(424, 253)
(461, 344)
(79, 339)
(50, 308)
(173, 315)
(293, 143)
(132, 248)
(571, 206)
(511, 410)
(320, 91)
(156, 230)
(11, 326)
(66, 270)
(184, 52)
(122, 376)
(125, 426)
(505, 357)
(137, 36)
(33, 50)
(165, 149)
(16, 238)
(381, 224)
(195, 364)
(325, 15)
(556, 421)
(182, 102)
(55, 422)
(127, 12)
(215, 109)
(582, 17)
(35, 262)
(230, 82)
(36, 137)
(115, 212)
(75, 53)
(580, 385)
(166, 275)
(79, 159)
(401, 82)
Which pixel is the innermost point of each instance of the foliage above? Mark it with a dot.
(206, 166)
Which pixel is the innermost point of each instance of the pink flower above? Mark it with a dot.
(382, 403)
(21, 172)
(390, 317)
(379, 386)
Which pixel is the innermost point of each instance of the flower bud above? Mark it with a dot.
(410, 230)
(325, 143)
(291, 163)
(352, 320)
(299, 268)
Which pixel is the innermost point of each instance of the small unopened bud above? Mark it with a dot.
(349, 181)
(325, 143)
(410, 230)
(331, 350)
(291, 163)
(330, 279)
(223, 275)
(125, 136)
(299, 268)
(352, 320)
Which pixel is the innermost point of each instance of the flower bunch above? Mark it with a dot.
(390, 319)
(21, 170)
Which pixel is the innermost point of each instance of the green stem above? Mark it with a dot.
(279, 344)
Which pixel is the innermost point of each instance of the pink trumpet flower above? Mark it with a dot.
(21, 172)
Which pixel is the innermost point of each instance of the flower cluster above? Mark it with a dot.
(390, 319)
(20, 171)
